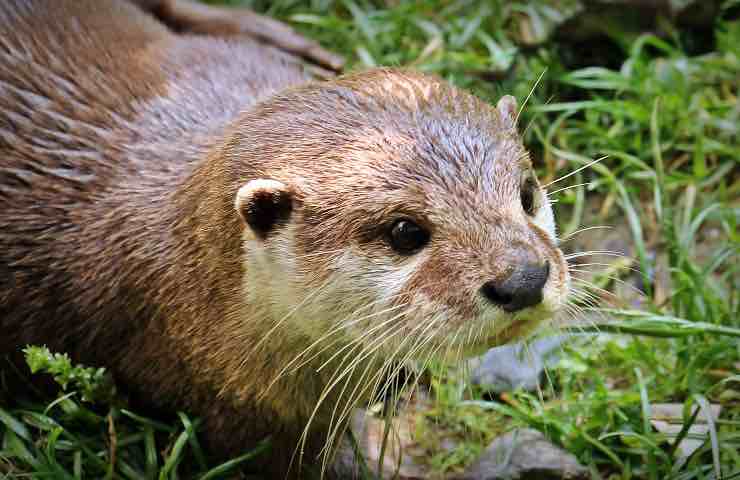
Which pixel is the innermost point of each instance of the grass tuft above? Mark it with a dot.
(87, 432)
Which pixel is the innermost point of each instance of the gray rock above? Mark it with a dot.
(525, 454)
(507, 368)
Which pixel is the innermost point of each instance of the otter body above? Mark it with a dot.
(104, 116)
(222, 233)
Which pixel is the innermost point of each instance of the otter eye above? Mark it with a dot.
(526, 194)
(406, 237)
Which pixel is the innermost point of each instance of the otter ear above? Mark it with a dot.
(507, 108)
(264, 204)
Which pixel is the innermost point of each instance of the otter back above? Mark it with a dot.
(100, 106)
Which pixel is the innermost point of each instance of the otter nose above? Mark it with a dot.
(522, 289)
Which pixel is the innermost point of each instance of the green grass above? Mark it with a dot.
(87, 432)
(663, 108)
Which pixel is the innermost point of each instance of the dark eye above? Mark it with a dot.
(526, 194)
(406, 237)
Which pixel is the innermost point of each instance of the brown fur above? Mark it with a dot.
(122, 149)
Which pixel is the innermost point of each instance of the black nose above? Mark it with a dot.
(522, 289)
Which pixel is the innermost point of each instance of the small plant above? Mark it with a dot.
(94, 384)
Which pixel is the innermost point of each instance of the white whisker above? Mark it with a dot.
(576, 171)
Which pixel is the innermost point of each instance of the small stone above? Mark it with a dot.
(525, 454)
(511, 367)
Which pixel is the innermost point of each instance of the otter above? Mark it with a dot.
(230, 236)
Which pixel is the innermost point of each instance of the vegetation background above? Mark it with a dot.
(654, 95)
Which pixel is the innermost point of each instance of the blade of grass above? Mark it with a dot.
(709, 417)
(647, 428)
(226, 467)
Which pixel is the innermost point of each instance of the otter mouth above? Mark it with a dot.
(517, 329)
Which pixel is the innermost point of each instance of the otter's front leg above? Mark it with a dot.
(193, 17)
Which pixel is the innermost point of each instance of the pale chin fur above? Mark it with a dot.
(553, 297)
(545, 219)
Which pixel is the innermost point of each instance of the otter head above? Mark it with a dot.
(392, 212)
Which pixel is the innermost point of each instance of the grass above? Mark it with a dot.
(87, 432)
(662, 106)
